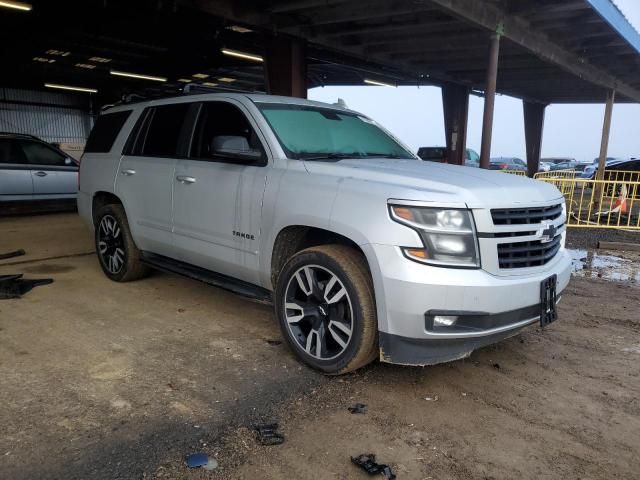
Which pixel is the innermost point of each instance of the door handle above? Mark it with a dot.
(185, 179)
(128, 172)
(40, 174)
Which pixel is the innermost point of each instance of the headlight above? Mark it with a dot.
(448, 235)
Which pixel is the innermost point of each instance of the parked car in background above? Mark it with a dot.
(32, 170)
(612, 163)
(544, 167)
(507, 163)
(439, 154)
(561, 163)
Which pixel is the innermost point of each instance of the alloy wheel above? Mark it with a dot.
(318, 312)
(111, 244)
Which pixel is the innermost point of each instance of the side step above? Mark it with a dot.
(239, 287)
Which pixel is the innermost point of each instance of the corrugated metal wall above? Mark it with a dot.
(53, 117)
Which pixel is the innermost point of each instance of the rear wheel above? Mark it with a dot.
(326, 309)
(119, 257)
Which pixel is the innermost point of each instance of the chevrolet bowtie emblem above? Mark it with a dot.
(548, 233)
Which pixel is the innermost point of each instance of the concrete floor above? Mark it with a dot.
(103, 380)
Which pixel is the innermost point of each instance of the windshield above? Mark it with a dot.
(316, 133)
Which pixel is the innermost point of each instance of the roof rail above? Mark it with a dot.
(197, 88)
(20, 134)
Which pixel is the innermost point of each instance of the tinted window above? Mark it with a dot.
(105, 131)
(221, 119)
(40, 154)
(164, 131)
(10, 152)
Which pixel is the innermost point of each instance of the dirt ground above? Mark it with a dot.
(120, 381)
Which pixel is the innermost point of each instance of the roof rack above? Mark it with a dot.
(188, 89)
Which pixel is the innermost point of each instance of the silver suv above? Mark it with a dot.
(32, 170)
(365, 251)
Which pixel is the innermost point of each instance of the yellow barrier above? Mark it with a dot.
(600, 203)
(621, 176)
(556, 174)
(522, 173)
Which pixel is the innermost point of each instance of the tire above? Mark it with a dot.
(118, 255)
(325, 306)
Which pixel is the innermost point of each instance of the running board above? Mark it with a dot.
(239, 287)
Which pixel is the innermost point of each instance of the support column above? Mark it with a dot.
(285, 67)
(489, 101)
(533, 128)
(606, 128)
(455, 103)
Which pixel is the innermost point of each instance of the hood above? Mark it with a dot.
(436, 182)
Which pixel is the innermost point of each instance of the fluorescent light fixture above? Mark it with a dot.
(209, 84)
(185, 80)
(61, 53)
(239, 29)
(88, 66)
(100, 59)
(43, 60)
(246, 56)
(377, 83)
(226, 79)
(200, 75)
(25, 7)
(68, 87)
(137, 75)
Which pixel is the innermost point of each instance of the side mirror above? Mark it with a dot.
(235, 148)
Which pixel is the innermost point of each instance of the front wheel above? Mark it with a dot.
(326, 308)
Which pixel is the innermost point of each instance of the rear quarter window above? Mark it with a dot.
(105, 131)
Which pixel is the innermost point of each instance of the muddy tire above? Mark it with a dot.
(325, 306)
(118, 255)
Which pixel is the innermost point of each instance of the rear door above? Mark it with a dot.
(218, 199)
(15, 173)
(146, 174)
(54, 174)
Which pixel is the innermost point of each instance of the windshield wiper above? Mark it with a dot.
(382, 155)
(329, 156)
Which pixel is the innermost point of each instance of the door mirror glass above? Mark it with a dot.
(234, 147)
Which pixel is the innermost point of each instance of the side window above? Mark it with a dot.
(165, 130)
(40, 154)
(10, 152)
(222, 127)
(105, 131)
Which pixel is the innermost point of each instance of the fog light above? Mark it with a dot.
(444, 320)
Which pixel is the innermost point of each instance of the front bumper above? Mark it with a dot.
(494, 307)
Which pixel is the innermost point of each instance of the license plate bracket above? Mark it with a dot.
(548, 299)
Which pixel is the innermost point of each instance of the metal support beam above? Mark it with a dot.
(521, 32)
(455, 103)
(606, 128)
(489, 101)
(286, 67)
(533, 128)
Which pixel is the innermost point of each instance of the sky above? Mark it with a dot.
(415, 116)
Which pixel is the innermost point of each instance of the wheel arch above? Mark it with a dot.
(100, 199)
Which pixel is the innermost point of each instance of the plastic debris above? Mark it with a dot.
(200, 460)
(433, 398)
(268, 435)
(367, 461)
(358, 408)
(15, 253)
(14, 286)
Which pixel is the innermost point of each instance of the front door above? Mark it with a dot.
(218, 199)
(145, 177)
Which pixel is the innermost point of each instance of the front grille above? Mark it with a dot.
(525, 216)
(527, 254)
